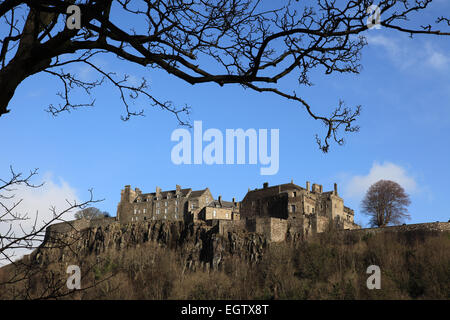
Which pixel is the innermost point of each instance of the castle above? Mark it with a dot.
(274, 211)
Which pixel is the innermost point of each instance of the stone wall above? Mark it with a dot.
(226, 226)
(431, 226)
(80, 224)
(278, 229)
(273, 229)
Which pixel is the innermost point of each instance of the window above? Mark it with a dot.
(145, 210)
(176, 217)
(157, 204)
(192, 206)
(165, 203)
(214, 213)
(226, 215)
(176, 209)
(292, 208)
(176, 202)
(135, 211)
(169, 196)
(157, 211)
(312, 210)
(295, 194)
(165, 217)
(165, 210)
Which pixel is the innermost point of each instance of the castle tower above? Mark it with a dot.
(127, 195)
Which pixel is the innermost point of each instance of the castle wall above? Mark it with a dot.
(226, 226)
(321, 224)
(350, 225)
(265, 206)
(278, 229)
(273, 229)
(430, 226)
(81, 224)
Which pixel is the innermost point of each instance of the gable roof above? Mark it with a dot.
(197, 193)
(221, 204)
(283, 187)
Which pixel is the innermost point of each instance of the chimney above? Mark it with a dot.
(138, 191)
(158, 191)
(335, 189)
(234, 201)
(292, 181)
(220, 200)
(320, 188)
(265, 185)
(178, 187)
(307, 186)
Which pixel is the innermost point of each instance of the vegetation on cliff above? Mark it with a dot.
(414, 265)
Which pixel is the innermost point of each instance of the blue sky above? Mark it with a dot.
(404, 90)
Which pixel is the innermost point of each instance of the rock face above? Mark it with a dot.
(201, 246)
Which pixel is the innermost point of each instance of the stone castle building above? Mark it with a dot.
(273, 211)
(309, 209)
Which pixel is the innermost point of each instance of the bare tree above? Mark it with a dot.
(253, 44)
(16, 237)
(386, 203)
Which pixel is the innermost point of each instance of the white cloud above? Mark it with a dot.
(406, 54)
(358, 185)
(134, 80)
(436, 59)
(37, 202)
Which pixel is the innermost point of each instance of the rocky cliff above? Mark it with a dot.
(200, 245)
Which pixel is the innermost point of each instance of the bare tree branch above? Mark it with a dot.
(254, 44)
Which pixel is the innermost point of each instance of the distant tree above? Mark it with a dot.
(91, 213)
(386, 203)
